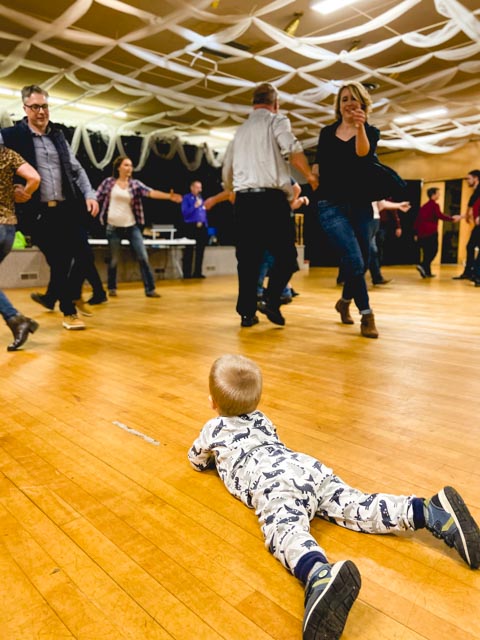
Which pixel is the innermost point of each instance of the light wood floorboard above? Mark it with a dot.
(105, 534)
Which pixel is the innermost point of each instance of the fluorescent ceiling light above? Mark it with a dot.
(91, 108)
(432, 113)
(404, 119)
(436, 112)
(219, 133)
(329, 6)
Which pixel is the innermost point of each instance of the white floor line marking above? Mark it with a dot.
(135, 433)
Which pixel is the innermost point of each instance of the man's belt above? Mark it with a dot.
(257, 190)
(52, 203)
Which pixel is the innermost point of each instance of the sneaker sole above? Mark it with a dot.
(468, 530)
(328, 615)
(70, 328)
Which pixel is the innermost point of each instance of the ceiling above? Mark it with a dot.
(187, 67)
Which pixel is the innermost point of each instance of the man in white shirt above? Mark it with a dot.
(256, 168)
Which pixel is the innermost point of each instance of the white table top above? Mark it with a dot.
(158, 242)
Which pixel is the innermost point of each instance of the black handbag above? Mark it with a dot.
(377, 181)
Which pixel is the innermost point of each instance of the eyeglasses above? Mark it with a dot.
(37, 107)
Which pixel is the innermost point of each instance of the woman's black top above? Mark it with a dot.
(342, 171)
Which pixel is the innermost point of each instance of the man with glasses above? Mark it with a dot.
(57, 211)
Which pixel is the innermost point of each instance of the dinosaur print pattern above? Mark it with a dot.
(287, 489)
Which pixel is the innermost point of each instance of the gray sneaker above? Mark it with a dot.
(329, 596)
(448, 518)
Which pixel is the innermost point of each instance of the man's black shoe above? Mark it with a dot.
(466, 275)
(41, 299)
(421, 270)
(477, 282)
(273, 315)
(98, 299)
(249, 321)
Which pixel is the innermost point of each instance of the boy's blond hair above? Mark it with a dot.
(235, 384)
(359, 92)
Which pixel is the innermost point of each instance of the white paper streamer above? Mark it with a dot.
(228, 100)
(134, 432)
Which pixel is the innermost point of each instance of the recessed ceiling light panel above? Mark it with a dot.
(329, 6)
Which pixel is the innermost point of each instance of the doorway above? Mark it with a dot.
(453, 197)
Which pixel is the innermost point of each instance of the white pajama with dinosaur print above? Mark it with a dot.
(287, 489)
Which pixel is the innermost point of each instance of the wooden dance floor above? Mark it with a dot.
(108, 534)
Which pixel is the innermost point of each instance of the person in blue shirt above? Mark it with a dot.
(196, 228)
(288, 293)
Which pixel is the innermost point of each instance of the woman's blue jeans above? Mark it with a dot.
(134, 236)
(267, 264)
(7, 236)
(348, 229)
